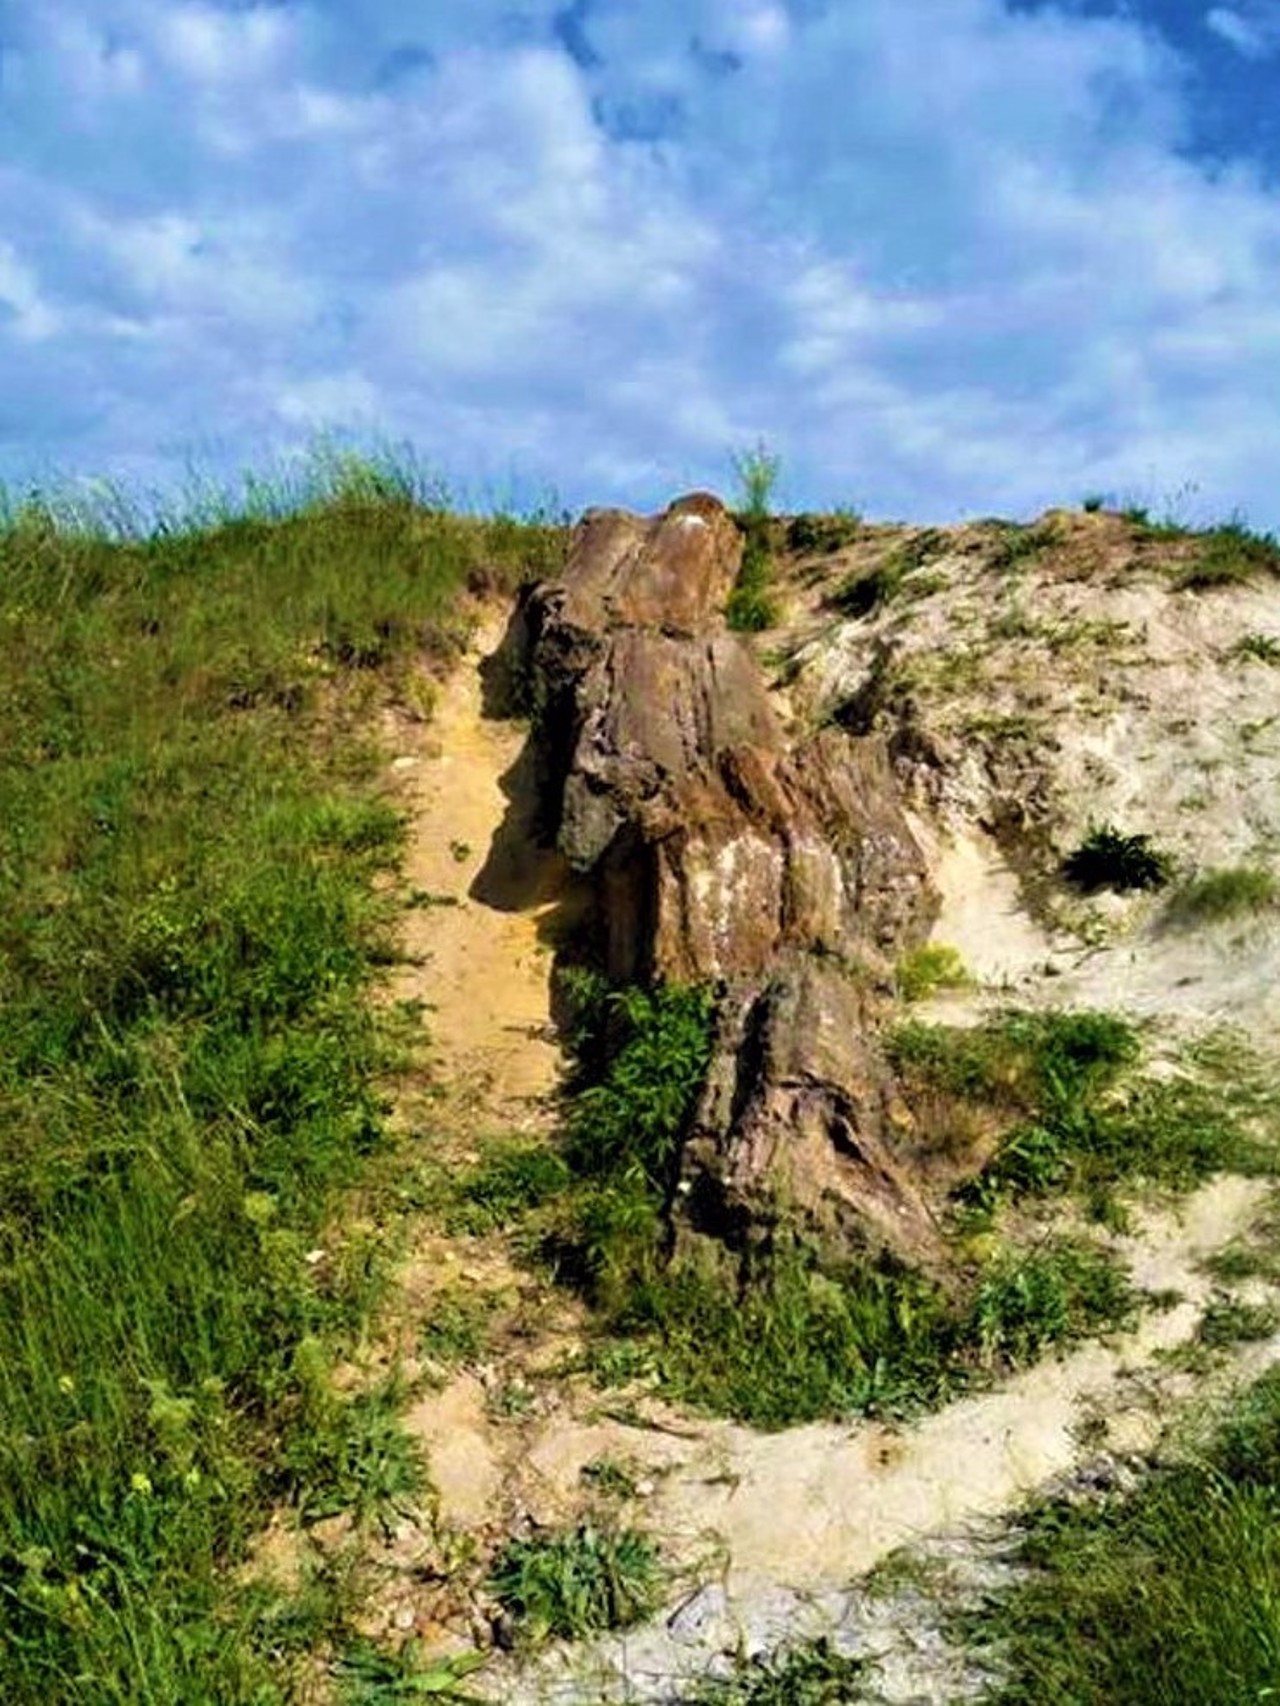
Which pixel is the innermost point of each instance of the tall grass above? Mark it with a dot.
(1165, 1593)
(190, 826)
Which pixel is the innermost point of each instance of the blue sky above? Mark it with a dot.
(945, 257)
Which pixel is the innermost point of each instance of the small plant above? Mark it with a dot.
(1230, 1321)
(1109, 859)
(931, 966)
(1093, 503)
(810, 1675)
(573, 1582)
(1262, 648)
(508, 1183)
(751, 608)
(1017, 544)
(1231, 892)
(376, 1676)
(1060, 1292)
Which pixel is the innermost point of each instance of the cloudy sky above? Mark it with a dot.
(944, 257)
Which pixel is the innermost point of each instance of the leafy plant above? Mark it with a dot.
(658, 1046)
(931, 966)
(1262, 648)
(1065, 1290)
(573, 1582)
(813, 1674)
(1109, 859)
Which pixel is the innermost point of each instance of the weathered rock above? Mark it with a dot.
(722, 851)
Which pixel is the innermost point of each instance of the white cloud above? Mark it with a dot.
(1253, 30)
(942, 256)
(29, 316)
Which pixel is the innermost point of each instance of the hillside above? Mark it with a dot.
(531, 1108)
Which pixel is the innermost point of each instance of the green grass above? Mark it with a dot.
(1075, 1114)
(813, 1674)
(567, 1583)
(752, 606)
(191, 831)
(1167, 1593)
(796, 1340)
(1229, 555)
(930, 967)
(1234, 891)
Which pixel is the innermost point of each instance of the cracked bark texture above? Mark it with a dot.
(721, 849)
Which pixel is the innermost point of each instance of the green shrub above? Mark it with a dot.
(577, 1581)
(1230, 892)
(811, 535)
(634, 1116)
(931, 966)
(1109, 859)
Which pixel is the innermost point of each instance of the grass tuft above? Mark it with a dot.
(573, 1582)
(1234, 891)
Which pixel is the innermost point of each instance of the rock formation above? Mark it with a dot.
(722, 850)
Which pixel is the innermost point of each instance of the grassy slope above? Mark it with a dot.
(190, 826)
(1168, 1593)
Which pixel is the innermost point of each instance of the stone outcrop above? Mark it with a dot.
(720, 849)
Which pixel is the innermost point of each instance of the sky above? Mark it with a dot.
(943, 258)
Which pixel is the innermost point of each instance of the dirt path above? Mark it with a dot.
(490, 903)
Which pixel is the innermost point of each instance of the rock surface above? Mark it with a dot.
(720, 850)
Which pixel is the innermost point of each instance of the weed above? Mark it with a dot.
(1109, 859)
(1017, 545)
(658, 1045)
(1062, 1291)
(870, 589)
(377, 1676)
(751, 607)
(931, 966)
(757, 473)
(1230, 1321)
(1093, 503)
(1075, 1117)
(508, 1183)
(573, 1582)
(810, 1675)
(457, 1326)
(610, 1478)
(1231, 892)
(1261, 648)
